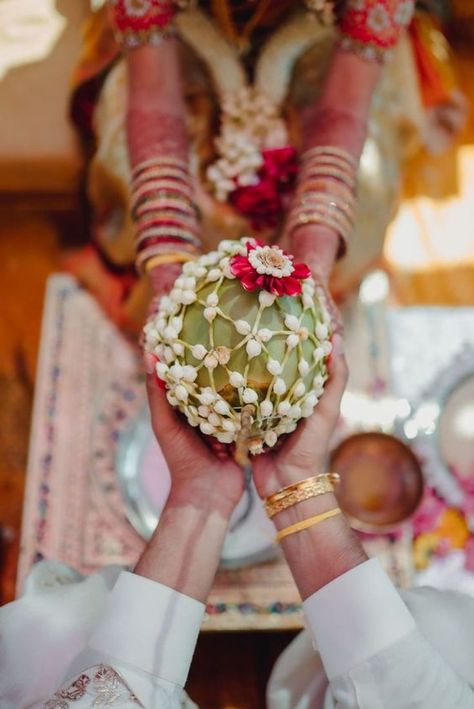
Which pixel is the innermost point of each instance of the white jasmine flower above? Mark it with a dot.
(270, 438)
(242, 327)
(264, 334)
(199, 351)
(178, 348)
(188, 297)
(284, 408)
(303, 367)
(210, 361)
(189, 283)
(181, 393)
(214, 419)
(236, 379)
(207, 396)
(279, 387)
(292, 323)
(326, 348)
(225, 437)
(274, 367)
(162, 370)
(176, 371)
(266, 408)
(228, 425)
(206, 428)
(318, 354)
(292, 341)
(210, 314)
(266, 299)
(214, 274)
(212, 300)
(299, 390)
(249, 396)
(189, 373)
(321, 331)
(222, 407)
(295, 412)
(204, 411)
(253, 348)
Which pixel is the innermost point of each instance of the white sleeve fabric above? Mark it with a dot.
(113, 636)
(376, 653)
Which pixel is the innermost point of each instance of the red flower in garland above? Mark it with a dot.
(269, 268)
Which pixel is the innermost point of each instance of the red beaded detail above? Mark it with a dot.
(374, 24)
(140, 22)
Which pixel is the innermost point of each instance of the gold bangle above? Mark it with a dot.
(300, 491)
(163, 259)
(330, 150)
(306, 523)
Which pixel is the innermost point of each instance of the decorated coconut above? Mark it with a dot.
(242, 342)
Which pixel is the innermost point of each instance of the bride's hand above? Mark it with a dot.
(305, 451)
(198, 477)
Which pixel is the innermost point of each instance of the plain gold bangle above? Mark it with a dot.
(306, 523)
(163, 259)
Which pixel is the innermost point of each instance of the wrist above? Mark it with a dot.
(203, 499)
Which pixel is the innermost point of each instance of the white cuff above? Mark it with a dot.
(150, 627)
(355, 616)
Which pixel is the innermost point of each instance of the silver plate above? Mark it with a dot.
(144, 480)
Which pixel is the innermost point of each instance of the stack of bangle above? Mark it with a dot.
(300, 491)
(325, 192)
(164, 212)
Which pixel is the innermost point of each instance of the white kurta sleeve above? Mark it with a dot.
(97, 642)
(374, 652)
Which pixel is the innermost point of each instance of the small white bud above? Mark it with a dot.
(177, 323)
(299, 390)
(292, 322)
(270, 438)
(318, 381)
(207, 396)
(249, 396)
(327, 348)
(264, 334)
(228, 425)
(266, 299)
(303, 367)
(210, 314)
(170, 333)
(295, 412)
(172, 399)
(188, 297)
(303, 333)
(181, 393)
(214, 274)
(222, 407)
(225, 437)
(318, 354)
(189, 373)
(284, 408)
(274, 367)
(253, 348)
(168, 355)
(321, 331)
(203, 411)
(308, 301)
(236, 379)
(178, 348)
(242, 327)
(206, 428)
(290, 426)
(292, 341)
(162, 370)
(176, 371)
(210, 361)
(214, 419)
(199, 351)
(189, 283)
(279, 387)
(266, 408)
(212, 300)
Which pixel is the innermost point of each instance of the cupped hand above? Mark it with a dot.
(198, 477)
(304, 452)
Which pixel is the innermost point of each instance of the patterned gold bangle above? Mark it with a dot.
(328, 171)
(327, 161)
(151, 173)
(320, 217)
(306, 523)
(300, 491)
(329, 150)
(177, 204)
(157, 250)
(329, 201)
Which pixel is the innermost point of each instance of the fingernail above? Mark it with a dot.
(337, 345)
(149, 362)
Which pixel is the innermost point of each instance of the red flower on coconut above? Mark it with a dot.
(269, 268)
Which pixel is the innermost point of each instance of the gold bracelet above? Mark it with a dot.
(330, 150)
(162, 259)
(300, 491)
(306, 523)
